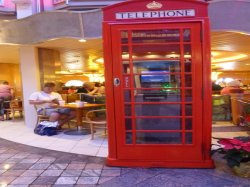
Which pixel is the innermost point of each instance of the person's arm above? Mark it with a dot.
(39, 102)
(34, 99)
(94, 91)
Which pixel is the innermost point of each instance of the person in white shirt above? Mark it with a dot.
(45, 101)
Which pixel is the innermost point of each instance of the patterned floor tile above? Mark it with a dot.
(52, 172)
(45, 180)
(71, 173)
(33, 173)
(91, 173)
(67, 180)
(58, 166)
(23, 180)
(13, 173)
(88, 180)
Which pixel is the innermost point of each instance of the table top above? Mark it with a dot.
(75, 106)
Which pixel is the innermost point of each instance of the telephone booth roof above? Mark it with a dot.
(198, 7)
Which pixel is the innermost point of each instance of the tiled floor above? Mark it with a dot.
(80, 144)
(24, 165)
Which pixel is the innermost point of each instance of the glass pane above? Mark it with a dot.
(158, 138)
(156, 66)
(127, 96)
(124, 50)
(187, 50)
(128, 110)
(156, 36)
(129, 138)
(188, 80)
(128, 123)
(188, 65)
(188, 109)
(126, 68)
(188, 95)
(188, 124)
(158, 124)
(189, 138)
(157, 96)
(156, 51)
(186, 35)
(124, 37)
(158, 110)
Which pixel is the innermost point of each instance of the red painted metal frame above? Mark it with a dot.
(108, 24)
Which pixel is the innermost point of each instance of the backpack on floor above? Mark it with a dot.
(46, 128)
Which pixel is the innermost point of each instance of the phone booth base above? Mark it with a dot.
(158, 86)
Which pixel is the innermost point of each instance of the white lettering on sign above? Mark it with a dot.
(155, 14)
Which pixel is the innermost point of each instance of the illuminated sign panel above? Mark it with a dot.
(156, 14)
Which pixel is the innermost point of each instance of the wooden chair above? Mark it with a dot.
(14, 106)
(97, 120)
(72, 98)
(40, 116)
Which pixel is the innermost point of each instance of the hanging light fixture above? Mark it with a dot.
(74, 83)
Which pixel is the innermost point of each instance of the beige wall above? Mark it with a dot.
(49, 63)
(11, 73)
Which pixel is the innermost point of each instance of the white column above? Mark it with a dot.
(24, 8)
(29, 68)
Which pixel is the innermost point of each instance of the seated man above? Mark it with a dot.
(6, 94)
(232, 87)
(46, 100)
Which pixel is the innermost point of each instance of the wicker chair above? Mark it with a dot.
(14, 106)
(40, 117)
(97, 120)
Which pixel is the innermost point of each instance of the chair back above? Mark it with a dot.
(16, 104)
(13, 106)
(40, 116)
(96, 119)
(72, 97)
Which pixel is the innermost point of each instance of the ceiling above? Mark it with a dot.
(227, 47)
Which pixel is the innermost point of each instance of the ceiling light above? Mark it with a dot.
(227, 65)
(74, 83)
(82, 40)
(236, 57)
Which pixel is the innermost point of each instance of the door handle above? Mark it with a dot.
(116, 82)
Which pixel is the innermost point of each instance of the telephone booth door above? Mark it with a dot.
(158, 89)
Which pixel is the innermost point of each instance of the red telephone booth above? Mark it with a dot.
(157, 68)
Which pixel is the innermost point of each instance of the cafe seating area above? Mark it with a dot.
(234, 108)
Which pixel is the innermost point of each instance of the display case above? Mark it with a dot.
(221, 108)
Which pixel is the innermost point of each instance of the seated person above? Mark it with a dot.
(6, 94)
(216, 88)
(101, 88)
(91, 88)
(82, 90)
(44, 100)
(232, 87)
(72, 89)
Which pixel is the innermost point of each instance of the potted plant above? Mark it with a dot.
(236, 151)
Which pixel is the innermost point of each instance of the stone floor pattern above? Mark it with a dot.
(23, 165)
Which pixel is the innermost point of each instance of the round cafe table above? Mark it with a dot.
(80, 130)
